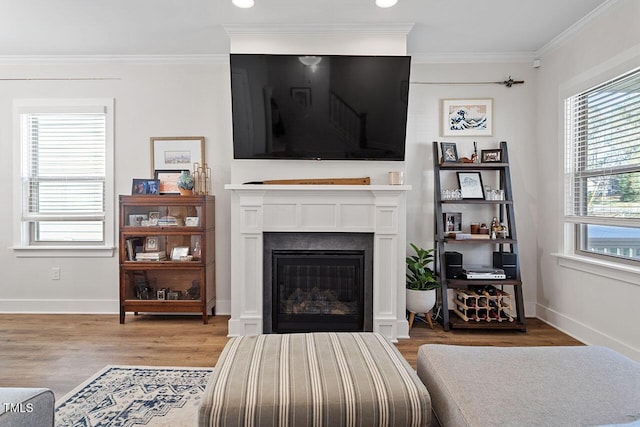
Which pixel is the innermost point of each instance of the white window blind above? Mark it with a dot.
(63, 175)
(603, 154)
(602, 168)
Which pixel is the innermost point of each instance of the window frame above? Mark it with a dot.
(23, 246)
(575, 225)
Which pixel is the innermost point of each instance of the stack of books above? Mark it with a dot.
(167, 220)
(151, 256)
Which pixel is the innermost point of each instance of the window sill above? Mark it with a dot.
(64, 251)
(610, 270)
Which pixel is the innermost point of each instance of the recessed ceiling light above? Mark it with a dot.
(386, 3)
(244, 4)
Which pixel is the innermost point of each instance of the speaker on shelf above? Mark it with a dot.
(453, 264)
(508, 262)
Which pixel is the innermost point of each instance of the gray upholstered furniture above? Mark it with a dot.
(321, 379)
(530, 386)
(26, 407)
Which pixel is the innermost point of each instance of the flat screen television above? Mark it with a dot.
(322, 107)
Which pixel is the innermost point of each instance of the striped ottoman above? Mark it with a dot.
(314, 379)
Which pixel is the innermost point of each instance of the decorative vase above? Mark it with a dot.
(185, 192)
(420, 302)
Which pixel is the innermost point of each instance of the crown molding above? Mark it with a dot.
(562, 38)
(126, 59)
(397, 29)
(472, 57)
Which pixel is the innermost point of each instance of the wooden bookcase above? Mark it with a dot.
(509, 305)
(182, 228)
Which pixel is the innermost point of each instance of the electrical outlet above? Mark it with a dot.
(55, 273)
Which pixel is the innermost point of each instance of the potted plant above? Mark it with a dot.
(421, 283)
(185, 183)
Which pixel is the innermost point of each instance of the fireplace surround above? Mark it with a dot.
(376, 209)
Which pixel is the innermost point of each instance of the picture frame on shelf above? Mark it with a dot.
(452, 222)
(144, 186)
(449, 152)
(179, 252)
(491, 156)
(154, 216)
(176, 153)
(167, 181)
(151, 244)
(467, 117)
(471, 185)
(192, 221)
(135, 220)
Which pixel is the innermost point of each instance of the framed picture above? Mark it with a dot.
(192, 221)
(491, 156)
(135, 220)
(144, 186)
(467, 117)
(178, 252)
(452, 222)
(167, 181)
(151, 244)
(449, 152)
(471, 185)
(302, 95)
(154, 216)
(176, 153)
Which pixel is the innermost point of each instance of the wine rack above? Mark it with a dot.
(484, 304)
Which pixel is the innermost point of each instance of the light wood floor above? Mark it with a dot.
(61, 351)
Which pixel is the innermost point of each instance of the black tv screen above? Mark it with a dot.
(323, 107)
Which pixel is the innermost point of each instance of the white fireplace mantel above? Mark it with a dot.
(377, 209)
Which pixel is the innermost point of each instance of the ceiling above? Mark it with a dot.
(195, 27)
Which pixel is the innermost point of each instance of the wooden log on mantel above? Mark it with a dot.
(316, 181)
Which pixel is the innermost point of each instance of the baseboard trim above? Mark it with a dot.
(61, 306)
(584, 333)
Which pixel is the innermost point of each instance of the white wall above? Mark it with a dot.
(193, 99)
(593, 303)
(514, 121)
(151, 99)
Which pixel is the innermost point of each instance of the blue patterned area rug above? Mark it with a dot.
(135, 396)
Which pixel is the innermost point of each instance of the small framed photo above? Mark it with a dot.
(192, 221)
(154, 216)
(449, 152)
(178, 252)
(176, 153)
(144, 186)
(471, 185)
(491, 156)
(139, 186)
(135, 220)
(167, 181)
(161, 294)
(467, 117)
(452, 222)
(151, 244)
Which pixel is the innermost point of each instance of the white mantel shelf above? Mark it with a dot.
(312, 187)
(376, 209)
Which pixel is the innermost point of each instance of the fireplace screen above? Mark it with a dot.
(318, 290)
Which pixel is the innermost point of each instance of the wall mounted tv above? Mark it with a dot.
(322, 107)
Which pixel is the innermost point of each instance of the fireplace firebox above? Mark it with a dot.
(317, 282)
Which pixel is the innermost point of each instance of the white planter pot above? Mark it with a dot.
(420, 301)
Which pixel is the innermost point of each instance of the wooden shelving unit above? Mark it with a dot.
(504, 211)
(171, 224)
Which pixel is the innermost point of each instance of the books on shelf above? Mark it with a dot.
(132, 247)
(151, 256)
